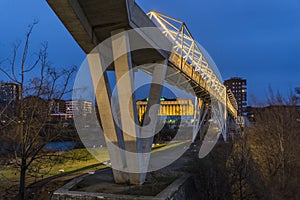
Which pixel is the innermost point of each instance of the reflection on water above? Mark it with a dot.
(60, 146)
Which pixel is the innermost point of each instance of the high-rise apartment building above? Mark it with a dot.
(10, 95)
(238, 87)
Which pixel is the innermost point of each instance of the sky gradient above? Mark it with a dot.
(254, 39)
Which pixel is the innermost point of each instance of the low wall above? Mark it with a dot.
(182, 188)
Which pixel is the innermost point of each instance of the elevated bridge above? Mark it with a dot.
(92, 22)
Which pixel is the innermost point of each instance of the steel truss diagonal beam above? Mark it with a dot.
(188, 53)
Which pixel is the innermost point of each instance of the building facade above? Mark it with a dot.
(168, 107)
(10, 96)
(65, 109)
(238, 87)
(80, 107)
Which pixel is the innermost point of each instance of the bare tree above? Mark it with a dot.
(274, 143)
(30, 130)
(239, 166)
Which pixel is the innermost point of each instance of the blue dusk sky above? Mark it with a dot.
(258, 40)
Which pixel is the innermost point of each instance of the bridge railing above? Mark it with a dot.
(189, 58)
(197, 78)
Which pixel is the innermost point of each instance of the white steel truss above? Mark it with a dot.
(185, 47)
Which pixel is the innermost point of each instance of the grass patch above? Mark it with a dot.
(75, 162)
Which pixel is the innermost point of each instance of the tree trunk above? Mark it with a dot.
(22, 180)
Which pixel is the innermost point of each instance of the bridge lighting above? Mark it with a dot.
(193, 55)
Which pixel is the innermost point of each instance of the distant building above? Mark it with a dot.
(238, 87)
(57, 106)
(168, 107)
(10, 96)
(58, 109)
(65, 109)
(79, 107)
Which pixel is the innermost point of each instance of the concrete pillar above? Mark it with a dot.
(197, 115)
(127, 105)
(148, 128)
(203, 126)
(129, 145)
(200, 113)
(111, 132)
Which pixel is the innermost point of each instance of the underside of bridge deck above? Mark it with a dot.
(91, 22)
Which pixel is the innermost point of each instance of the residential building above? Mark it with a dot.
(238, 87)
(79, 107)
(10, 96)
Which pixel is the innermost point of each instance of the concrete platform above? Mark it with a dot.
(159, 186)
